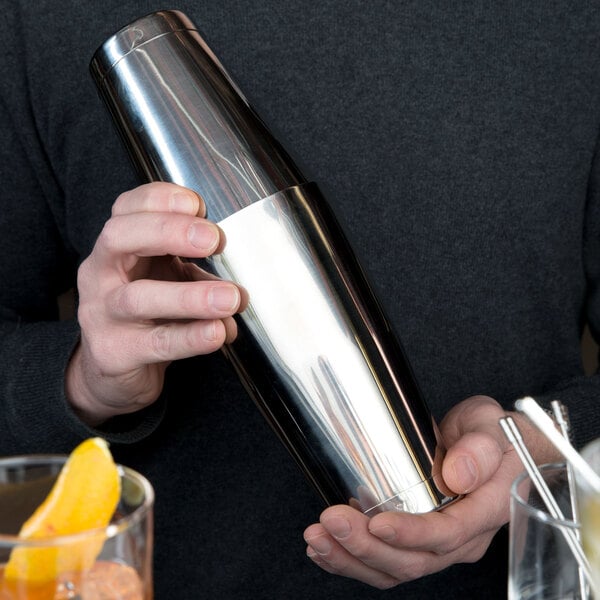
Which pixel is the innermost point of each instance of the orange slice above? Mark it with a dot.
(83, 498)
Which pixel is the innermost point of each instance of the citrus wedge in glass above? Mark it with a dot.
(83, 499)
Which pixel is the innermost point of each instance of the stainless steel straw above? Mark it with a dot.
(587, 476)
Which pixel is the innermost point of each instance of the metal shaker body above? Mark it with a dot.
(314, 349)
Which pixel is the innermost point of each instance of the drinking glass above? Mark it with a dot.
(541, 563)
(589, 513)
(122, 570)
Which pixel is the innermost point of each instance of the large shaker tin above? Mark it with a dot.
(314, 349)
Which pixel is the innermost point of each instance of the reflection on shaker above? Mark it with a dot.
(314, 349)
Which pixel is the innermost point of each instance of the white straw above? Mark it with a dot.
(547, 426)
(562, 418)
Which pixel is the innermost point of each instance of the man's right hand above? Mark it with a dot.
(141, 307)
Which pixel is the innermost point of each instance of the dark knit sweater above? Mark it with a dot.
(456, 143)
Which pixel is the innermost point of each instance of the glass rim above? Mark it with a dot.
(110, 531)
(538, 513)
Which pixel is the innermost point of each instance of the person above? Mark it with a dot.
(458, 146)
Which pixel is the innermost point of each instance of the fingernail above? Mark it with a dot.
(466, 473)
(320, 544)
(203, 235)
(181, 202)
(385, 533)
(209, 331)
(338, 527)
(225, 298)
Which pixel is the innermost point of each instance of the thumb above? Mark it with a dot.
(471, 462)
(475, 443)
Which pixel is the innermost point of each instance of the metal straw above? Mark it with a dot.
(546, 425)
(514, 436)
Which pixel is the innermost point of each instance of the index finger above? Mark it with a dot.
(159, 196)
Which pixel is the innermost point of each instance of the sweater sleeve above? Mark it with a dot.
(38, 264)
(35, 414)
(581, 394)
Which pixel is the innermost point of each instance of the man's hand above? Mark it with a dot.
(141, 307)
(394, 547)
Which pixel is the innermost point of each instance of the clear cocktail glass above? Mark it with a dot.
(123, 568)
(542, 565)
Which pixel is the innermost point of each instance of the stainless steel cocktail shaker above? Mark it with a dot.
(313, 350)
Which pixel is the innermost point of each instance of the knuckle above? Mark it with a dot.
(362, 552)
(190, 301)
(449, 546)
(122, 200)
(85, 315)
(127, 301)
(162, 222)
(335, 564)
(459, 539)
(160, 341)
(414, 569)
(87, 282)
(83, 271)
(109, 235)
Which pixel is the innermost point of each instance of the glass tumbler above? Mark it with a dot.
(122, 569)
(541, 563)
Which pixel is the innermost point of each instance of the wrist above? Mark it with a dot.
(78, 394)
